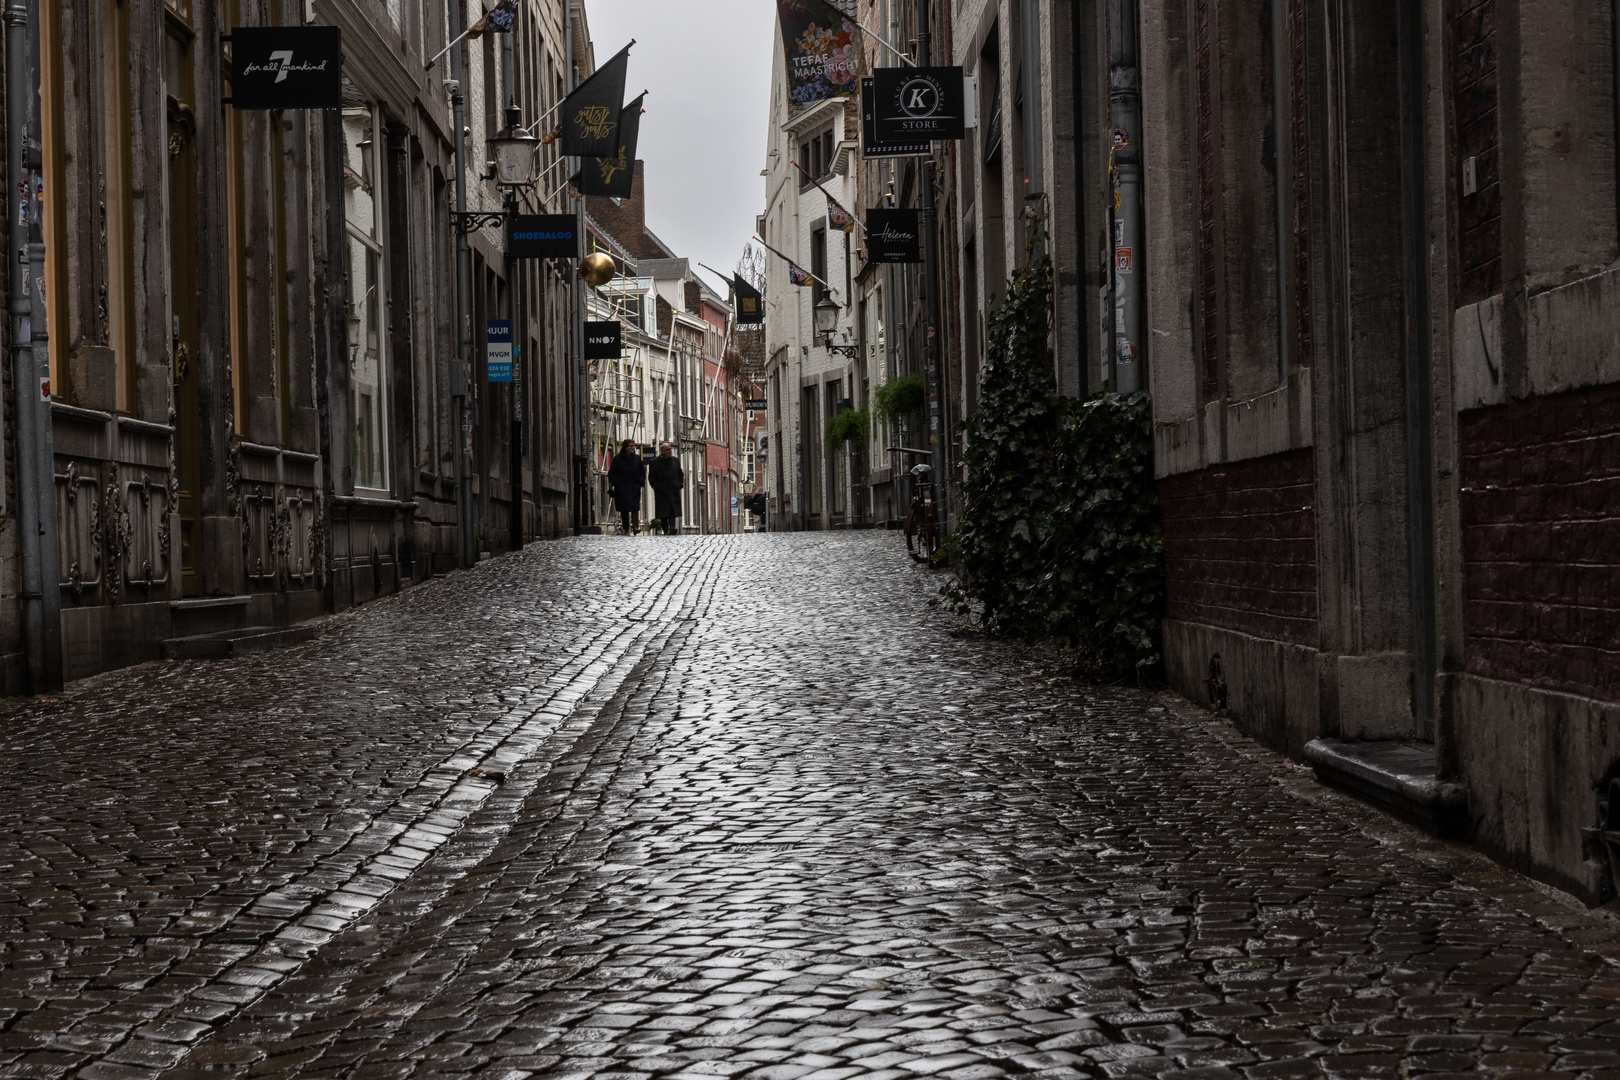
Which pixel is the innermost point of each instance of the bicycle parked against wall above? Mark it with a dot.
(922, 534)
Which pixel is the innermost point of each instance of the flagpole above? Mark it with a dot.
(790, 262)
(547, 171)
(827, 193)
(717, 273)
(429, 65)
(543, 115)
(558, 190)
(877, 38)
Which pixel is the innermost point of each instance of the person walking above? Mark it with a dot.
(667, 481)
(627, 476)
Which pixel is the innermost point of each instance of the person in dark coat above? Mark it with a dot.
(627, 476)
(667, 482)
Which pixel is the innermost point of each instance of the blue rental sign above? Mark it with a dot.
(498, 350)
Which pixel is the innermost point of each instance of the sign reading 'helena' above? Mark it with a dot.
(286, 67)
(916, 103)
(893, 236)
(543, 236)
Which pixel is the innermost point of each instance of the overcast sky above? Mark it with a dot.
(707, 67)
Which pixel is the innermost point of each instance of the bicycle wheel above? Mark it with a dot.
(920, 534)
(912, 516)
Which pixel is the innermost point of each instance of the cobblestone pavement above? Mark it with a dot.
(699, 808)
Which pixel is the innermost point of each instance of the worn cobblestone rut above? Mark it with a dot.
(637, 809)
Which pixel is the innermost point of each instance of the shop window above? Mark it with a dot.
(366, 296)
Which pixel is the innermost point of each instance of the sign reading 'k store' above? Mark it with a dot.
(915, 103)
(286, 67)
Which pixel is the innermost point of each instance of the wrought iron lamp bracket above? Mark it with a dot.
(470, 221)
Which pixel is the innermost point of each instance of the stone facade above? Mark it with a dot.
(253, 318)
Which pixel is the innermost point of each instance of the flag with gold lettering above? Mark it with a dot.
(613, 176)
(590, 115)
(750, 302)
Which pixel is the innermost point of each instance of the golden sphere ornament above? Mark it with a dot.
(597, 268)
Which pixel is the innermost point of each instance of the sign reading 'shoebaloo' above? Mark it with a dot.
(893, 236)
(543, 236)
(911, 104)
(286, 67)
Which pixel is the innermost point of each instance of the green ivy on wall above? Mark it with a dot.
(1059, 536)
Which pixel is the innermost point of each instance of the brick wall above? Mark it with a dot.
(1541, 541)
(1240, 546)
(626, 220)
(1473, 98)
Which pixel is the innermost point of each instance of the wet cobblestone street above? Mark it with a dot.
(698, 808)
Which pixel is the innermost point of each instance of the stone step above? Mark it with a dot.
(246, 641)
(208, 615)
(1397, 776)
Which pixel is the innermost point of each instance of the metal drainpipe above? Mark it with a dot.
(1419, 449)
(1081, 194)
(514, 308)
(1279, 131)
(1124, 97)
(462, 377)
(940, 458)
(36, 510)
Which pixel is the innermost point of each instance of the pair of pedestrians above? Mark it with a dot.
(628, 474)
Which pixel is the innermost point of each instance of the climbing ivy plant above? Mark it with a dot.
(1059, 536)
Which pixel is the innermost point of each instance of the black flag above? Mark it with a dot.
(750, 301)
(613, 176)
(590, 115)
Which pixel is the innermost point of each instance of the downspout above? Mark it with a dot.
(462, 374)
(1078, 113)
(940, 458)
(1279, 132)
(36, 483)
(1125, 106)
(515, 311)
(1419, 450)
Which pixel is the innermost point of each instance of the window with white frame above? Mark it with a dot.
(367, 299)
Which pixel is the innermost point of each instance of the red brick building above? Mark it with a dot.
(1384, 353)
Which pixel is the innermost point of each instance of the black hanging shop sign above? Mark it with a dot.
(871, 145)
(602, 341)
(749, 300)
(543, 236)
(917, 103)
(893, 236)
(286, 67)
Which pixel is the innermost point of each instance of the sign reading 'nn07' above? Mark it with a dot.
(286, 67)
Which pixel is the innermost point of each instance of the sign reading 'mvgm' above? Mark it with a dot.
(498, 349)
